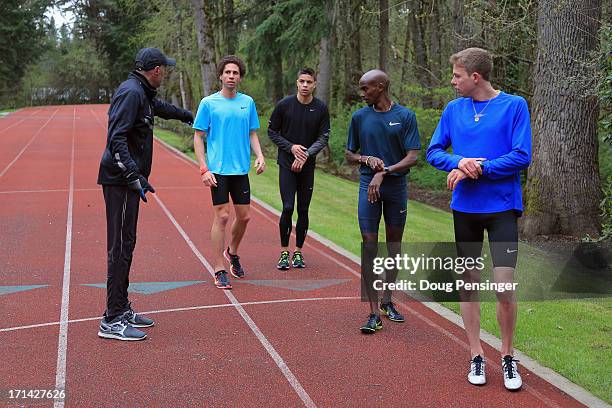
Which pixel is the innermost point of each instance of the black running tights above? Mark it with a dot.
(292, 183)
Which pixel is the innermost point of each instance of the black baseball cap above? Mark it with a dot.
(149, 58)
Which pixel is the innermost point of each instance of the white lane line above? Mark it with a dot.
(263, 340)
(16, 123)
(291, 378)
(62, 346)
(557, 380)
(190, 308)
(28, 144)
(98, 119)
(184, 158)
(431, 323)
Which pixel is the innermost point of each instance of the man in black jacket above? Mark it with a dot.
(124, 172)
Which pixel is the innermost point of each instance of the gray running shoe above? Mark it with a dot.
(120, 329)
(137, 320)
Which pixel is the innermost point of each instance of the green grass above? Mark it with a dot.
(571, 337)
(5, 111)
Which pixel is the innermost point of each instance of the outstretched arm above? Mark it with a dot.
(167, 111)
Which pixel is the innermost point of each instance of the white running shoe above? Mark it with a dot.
(476, 376)
(512, 378)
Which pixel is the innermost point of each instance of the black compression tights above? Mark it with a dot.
(291, 183)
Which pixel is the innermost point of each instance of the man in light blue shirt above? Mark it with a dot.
(228, 120)
(490, 134)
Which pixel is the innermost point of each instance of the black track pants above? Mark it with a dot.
(121, 219)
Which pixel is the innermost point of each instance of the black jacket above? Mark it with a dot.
(129, 143)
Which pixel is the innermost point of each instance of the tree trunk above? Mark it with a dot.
(406, 70)
(174, 99)
(383, 34)
(205, 47)
(325, 57)
(181, 69)
(184, 102)
(189, 93)
(420, 52)
(461, 31)
(433, 22)
(564, 188)
(275, 76)
(324, 75)
(352, 53)
(230, 30)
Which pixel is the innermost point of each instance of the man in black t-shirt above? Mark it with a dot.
(299, 126)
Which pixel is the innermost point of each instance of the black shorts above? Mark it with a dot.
(236, 186)
(501, 228)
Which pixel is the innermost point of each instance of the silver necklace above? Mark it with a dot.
(478, 115)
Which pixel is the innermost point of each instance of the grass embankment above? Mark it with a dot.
(571, 337)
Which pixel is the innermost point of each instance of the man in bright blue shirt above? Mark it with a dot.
(490, 134)
(384, 140)
(228, 119)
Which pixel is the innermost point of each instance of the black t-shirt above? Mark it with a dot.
(293, 122)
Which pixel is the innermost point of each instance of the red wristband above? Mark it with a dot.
(203, 171)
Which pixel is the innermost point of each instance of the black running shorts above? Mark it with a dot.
(237, 187)
(502, 231)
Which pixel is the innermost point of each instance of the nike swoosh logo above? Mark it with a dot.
(312, 110)
(243, 107)
(393, 123)
(508, 250)
(402, 211)
(244, 192)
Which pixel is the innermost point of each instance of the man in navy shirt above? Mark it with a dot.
(299, 126)
(384, 140)
(490, 135)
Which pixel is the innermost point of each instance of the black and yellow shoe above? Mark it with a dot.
(283, 261)
(374, 323)
(298, 260)
(388, 309)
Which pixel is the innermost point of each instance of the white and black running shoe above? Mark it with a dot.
(476, 375)
(120, 329)
(512, 378)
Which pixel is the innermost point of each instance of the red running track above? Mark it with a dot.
(257, 345)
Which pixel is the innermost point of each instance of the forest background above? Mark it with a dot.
(555, 53)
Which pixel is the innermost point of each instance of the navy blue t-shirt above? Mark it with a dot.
(386, 135)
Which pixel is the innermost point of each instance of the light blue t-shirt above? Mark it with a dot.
(227, 123)
(502, 136)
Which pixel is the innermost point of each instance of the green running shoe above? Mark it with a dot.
(283, 261)
(391, 312)
(374, 323)
(298, 260)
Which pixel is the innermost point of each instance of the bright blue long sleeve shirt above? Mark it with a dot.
(502, 136)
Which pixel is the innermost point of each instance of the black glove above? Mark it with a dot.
(188, 119)
(141, 186)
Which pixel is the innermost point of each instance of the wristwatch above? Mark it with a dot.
(386, 170)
